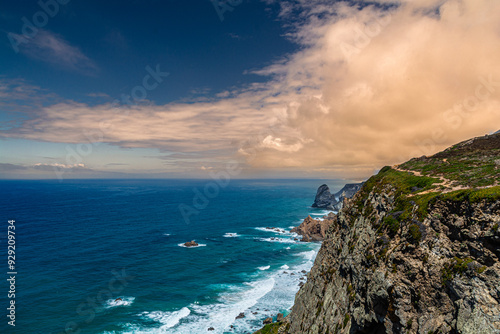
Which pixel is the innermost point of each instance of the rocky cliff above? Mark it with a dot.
(416, 250)
(325, 200)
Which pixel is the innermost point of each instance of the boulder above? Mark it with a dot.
(268, 321)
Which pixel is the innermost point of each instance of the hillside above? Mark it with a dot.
(416, 250)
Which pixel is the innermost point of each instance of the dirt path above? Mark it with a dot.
(446, 183)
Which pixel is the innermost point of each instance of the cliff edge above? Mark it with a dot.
(416, 250)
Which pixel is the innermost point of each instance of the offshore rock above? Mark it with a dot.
(313, 229)
(324, 199)
(191, 244)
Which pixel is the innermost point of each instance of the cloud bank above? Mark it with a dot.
(371, 85)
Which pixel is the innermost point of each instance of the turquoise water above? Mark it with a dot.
(80, 245)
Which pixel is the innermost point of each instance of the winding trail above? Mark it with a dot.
(448, 185)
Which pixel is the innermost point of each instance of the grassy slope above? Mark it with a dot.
(472, 166)
(473, 163)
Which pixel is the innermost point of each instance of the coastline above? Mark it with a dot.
(241, 260)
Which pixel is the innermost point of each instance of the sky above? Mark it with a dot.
(247, 88)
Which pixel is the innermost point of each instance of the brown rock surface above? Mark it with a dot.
(313, 229)
(191, 244)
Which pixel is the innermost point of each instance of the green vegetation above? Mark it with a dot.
(473, 195)
(351, 293)
(495, 227)
(457, 266)
(405, 182)
(346, 320)
(472, 164)
(391, 224)
(383, 253)
(370, 258)
(415, 233)
(272, 328)
(408, 195)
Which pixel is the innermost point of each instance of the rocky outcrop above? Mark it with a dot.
(191, 244)
(377, 272)
(314, 229)
(348, 191)
(411, 253)
(325, 200)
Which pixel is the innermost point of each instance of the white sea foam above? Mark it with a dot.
(222, 315)
(231, 235)
(286, 237)
(168, 319)
(199, 245)
(320, 213)
(264, 268)
(271, 293)
(309, 255)
(280, 240)
(167, 234)
(124, 301)
(273, 230)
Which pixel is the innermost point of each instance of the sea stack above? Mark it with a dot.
(324, 199)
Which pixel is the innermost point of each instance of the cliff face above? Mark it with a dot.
(416, 250)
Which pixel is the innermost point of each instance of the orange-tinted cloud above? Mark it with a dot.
(371, 86)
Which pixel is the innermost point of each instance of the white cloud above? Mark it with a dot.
(371, 85)
(53, 49)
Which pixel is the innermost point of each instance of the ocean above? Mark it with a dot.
(107, 256)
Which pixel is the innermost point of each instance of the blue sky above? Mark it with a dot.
(283, 88)
(120, 38)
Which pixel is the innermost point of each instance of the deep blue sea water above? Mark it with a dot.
(81, 244)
